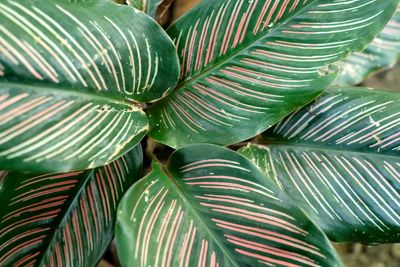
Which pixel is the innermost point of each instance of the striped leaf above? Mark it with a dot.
(129, 58)
(69, 75)
(62, 219)
(156, 9)
(339, 158)
(382, 53)
(42, 130)
(211, 207)
(245, 65)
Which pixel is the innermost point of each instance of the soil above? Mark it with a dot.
(357, 255)
(388, 79)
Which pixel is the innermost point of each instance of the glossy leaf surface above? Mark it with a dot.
(382, 53)
(212, 207)
(245, 65)
(69, 75)
(42, 130)
(339, 158)
(128, 59)
(62, 219)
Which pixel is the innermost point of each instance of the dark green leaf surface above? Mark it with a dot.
(129, 58)
(69, 76)
(245, 65)
(212, 207)
(382, 53)
(64, 219)
(42, 130)
(339, 158)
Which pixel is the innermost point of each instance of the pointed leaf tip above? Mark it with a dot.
(64, 219)
(245, 65)
(339, 159)
(70, 76)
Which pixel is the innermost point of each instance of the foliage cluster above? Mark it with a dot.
(82, 82)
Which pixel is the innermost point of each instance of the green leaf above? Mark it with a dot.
(138, 4)
(46, 130)
(339, 159)
(382, 53)
(130, 59)
(154, 8)
(245, 65)
(86, 1)
(69, 76)
(212, 207)
(64, 219)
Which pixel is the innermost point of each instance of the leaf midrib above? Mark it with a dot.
(198, 217)
(72, 204)
(211, 67)
(89, 96)
(284, 143)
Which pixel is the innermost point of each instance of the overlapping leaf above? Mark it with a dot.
(247, 64)
(69, 74)
(211, 207)
(157, 9)
(382, 53)
(42, 130)
(64, 219)
(339, 158)
(82, 47)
